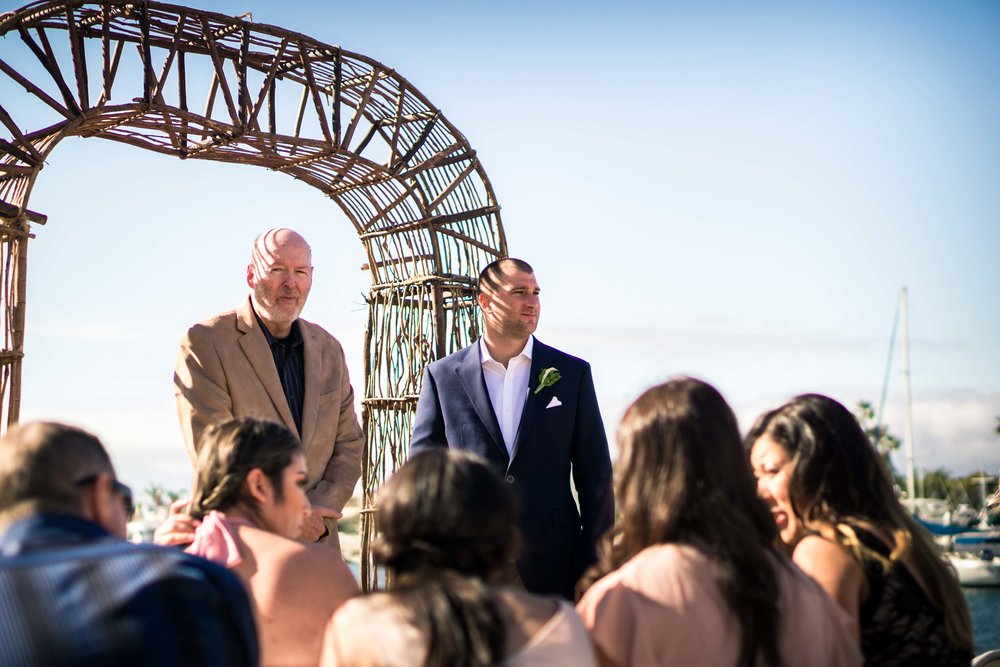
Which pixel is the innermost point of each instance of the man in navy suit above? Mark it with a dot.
(532, 412)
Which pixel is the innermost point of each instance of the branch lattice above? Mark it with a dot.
(200, 85)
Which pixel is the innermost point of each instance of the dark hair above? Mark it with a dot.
(489, 276)
(41, 465)
(229, 451)
(683, 478)
(447, 530)
(839, 482)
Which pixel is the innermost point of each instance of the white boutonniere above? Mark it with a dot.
(547, 378)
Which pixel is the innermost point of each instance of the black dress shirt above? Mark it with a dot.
(289, 360)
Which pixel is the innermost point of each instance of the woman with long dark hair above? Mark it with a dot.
(833, 501)
(690, 574)
(247, 508)
(447, 537)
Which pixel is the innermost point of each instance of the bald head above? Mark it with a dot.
(280, 275)
(42, 465)
(493, 273)
(268, 243)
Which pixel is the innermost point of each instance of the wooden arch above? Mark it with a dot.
(201, 85)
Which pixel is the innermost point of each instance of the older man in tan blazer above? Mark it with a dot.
(261, 360)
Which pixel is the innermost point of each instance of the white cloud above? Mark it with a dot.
(952, 429)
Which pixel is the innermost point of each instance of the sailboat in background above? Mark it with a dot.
(972, 547)
(975, 554)
(932, 511)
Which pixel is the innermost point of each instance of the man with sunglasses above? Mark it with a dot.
(123, 491)
(74, 592)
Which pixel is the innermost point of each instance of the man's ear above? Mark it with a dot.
(102, 505)
(258, 485)
(250, 275)
(89, 501)
(484, 300)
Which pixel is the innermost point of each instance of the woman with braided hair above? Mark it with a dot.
(447, 537)
(247, 507)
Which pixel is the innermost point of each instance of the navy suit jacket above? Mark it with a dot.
(71, 594)
(552, 445)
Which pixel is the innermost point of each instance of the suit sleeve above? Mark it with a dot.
(239, 630)
(592, 473)
(344, 469)
(200, 388)
(428, 422)
(201, 607)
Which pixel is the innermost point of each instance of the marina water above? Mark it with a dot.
(984, 607)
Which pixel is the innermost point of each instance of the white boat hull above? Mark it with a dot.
(976, 571)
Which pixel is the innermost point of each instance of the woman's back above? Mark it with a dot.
(295, 587)
(663, 607)
(378, 631)
(899, 624)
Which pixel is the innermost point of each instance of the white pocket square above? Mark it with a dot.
(554, 403)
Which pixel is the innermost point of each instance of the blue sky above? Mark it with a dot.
(735, 191)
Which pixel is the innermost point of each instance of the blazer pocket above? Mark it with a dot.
(329, 397)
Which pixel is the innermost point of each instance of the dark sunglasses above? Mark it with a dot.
(124, 491)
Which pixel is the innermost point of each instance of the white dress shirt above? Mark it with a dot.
(508, 388)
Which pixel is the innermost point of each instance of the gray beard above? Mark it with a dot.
(273, 312)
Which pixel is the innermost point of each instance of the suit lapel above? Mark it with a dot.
(313, 371)
(534, 403)
(259, 355)
(470, 373)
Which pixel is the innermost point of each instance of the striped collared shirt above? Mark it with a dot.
(289, 361)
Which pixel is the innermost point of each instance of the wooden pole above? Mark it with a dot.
(19, 246)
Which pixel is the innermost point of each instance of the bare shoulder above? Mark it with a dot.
(304, 561)
(823, 559)
(315, 555)
(835, 570)
(813, 548)
(313, 570)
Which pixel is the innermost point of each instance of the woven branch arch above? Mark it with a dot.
(201, 85)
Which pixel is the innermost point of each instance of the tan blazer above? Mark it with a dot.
(225, 370)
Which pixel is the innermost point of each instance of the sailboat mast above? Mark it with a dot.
(907, 398)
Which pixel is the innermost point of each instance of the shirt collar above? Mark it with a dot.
(293, 339)
(484, 353)
(48, 530)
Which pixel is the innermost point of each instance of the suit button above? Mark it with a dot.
(509, 479)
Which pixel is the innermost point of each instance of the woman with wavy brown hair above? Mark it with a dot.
(833, 501)
(690, 574)
(447, 524)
